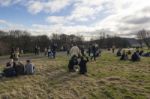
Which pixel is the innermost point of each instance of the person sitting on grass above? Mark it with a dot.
(119, 52)
(135, 56)
(19, 68)
(9, 70)
(82, 64)
(124, 56)
(141, 52)
(29, 68)
(146, 54)
(129, 52)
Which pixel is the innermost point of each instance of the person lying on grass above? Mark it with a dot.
(29, 68)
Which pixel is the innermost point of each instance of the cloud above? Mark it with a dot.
(137, 20)
(8, 2)
(3, 22)
(5, 25)
(88, 17)
(35, 7)
(50, 6)
(56, 19)
(85, 10)
(56, 5)
(126, 16)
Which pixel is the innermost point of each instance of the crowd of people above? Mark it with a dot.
(50, 51)
(16, 68)
(134, 55)
(79, 57)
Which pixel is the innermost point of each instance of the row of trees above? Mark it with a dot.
(24, 40)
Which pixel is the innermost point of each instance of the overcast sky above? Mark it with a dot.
(80, 17)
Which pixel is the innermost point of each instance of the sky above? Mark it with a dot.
(80, 17)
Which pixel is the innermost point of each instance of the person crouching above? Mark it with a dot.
(82, 64)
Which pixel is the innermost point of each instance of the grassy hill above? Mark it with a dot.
(108, 78)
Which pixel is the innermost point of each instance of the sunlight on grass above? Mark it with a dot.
(108, 78)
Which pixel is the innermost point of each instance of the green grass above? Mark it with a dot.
(108, 78)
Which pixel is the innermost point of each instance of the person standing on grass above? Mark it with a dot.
(93, 52)
(36, 50)
(12, 53)
(45, 51)
(113, 49)
(83, 66)
(17, 54)
(82, 50)
(68, 52)
(75, 53)
(50, 54)
(53, 49)
(89, 51)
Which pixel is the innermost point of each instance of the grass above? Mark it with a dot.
(108, 78)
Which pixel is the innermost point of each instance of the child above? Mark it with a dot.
(29, 68)
(82, 64)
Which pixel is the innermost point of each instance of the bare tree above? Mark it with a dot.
(144, 36)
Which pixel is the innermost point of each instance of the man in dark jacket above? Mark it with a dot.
(53, 49)
(82, 64)
(93, 52)
(135, 56)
